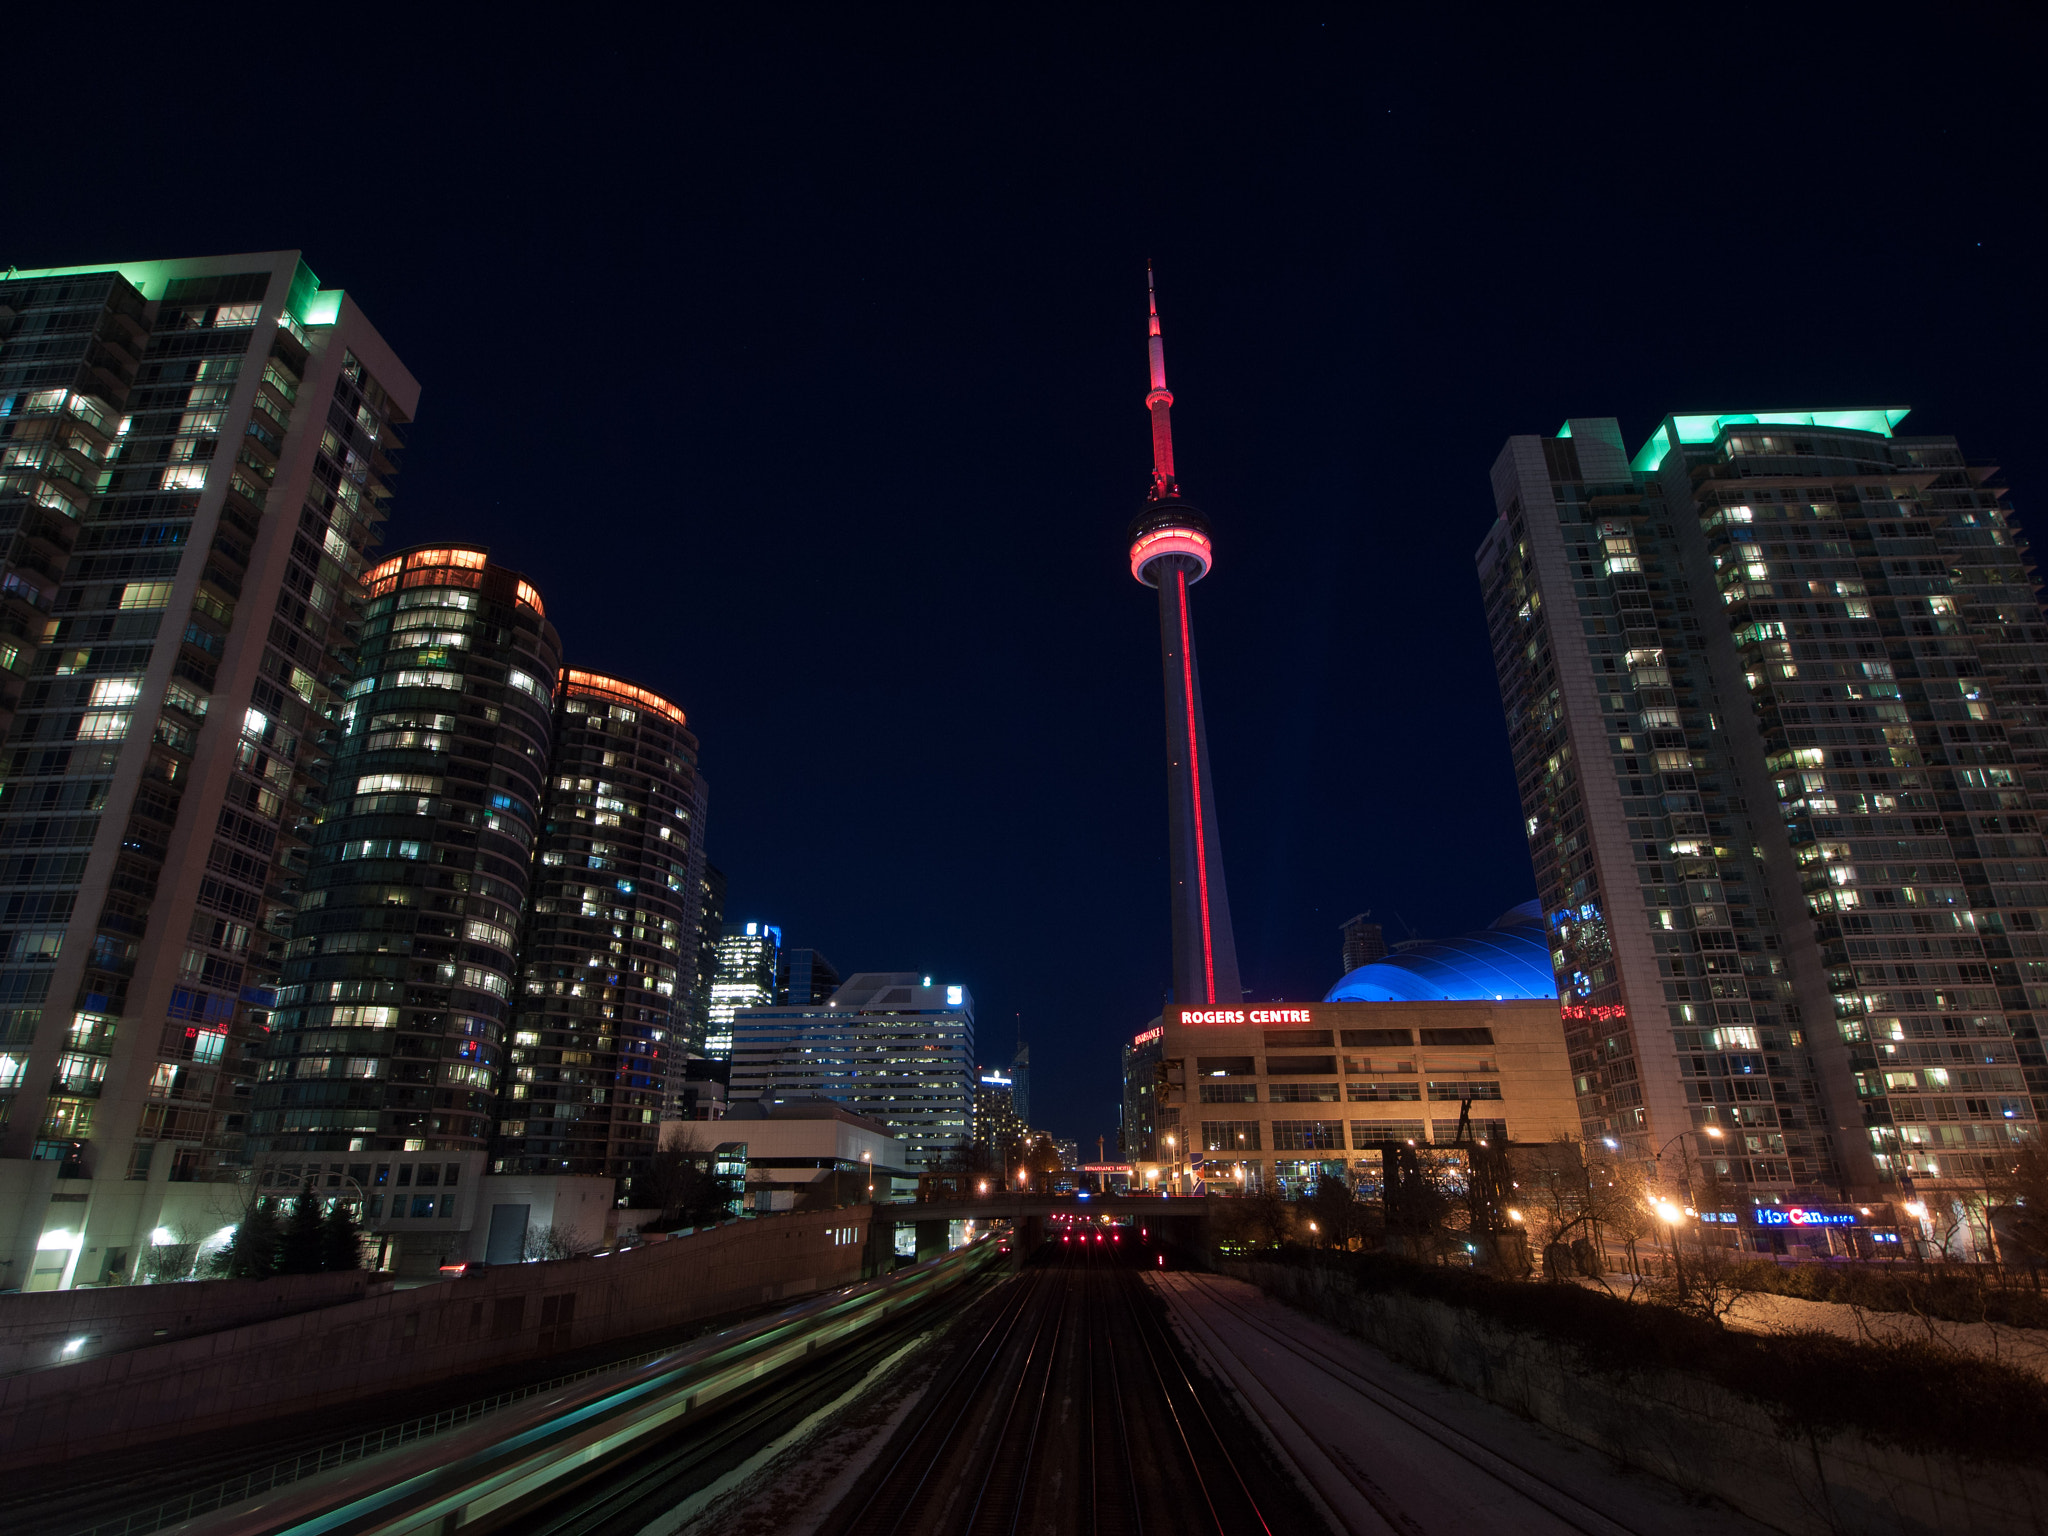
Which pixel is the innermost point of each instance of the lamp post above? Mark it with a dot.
(1672, 1215)
(1173, 1166)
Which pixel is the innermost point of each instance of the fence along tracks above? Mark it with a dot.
(1531, 1485)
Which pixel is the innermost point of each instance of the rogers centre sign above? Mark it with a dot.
(1247, 1016)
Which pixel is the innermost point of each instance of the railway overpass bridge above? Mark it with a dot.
(1182, 1221)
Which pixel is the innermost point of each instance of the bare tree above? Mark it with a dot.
(679, 1181)
(550, 1241)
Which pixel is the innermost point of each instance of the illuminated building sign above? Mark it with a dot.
(1600, 1013)
(1150, 1034)
(1802, 1216)
(1247, 1016)
(1787, 1216)
(1105, 1167)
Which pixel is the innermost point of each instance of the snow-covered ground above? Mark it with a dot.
(2026, 1348)
(1388, 1449)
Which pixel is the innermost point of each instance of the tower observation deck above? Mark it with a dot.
(1171, 550)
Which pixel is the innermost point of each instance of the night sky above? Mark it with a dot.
(803, 371)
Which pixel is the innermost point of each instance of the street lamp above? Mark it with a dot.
(1668, 1213)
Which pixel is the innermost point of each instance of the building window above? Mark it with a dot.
(1445, 1132)
(1230, 1093)
(1367, 1134)
(1463, 1090)
(1302, 1093)
(1382, 1093)
(1308, 1135)
(1230, 1135)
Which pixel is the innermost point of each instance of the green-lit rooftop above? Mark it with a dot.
(309, 303)
(1706, 428)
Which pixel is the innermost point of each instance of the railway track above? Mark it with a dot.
(1520, 1481)
(621, 1496)
(1043, 1423)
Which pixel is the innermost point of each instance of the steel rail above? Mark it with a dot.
(1547, 1495)
(998, 1459)
(1005, 1322)
(1099, 1328)
(1147, 1327)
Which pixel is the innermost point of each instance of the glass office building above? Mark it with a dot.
(1777, 691)
(888, 1045)
(748, 968)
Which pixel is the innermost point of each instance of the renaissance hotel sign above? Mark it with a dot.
(1247, 1015)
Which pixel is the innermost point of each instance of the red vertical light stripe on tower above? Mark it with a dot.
(1187, 684)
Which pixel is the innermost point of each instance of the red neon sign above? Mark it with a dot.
(1247, 1016)
(1151, 1034)
(1598, 1014)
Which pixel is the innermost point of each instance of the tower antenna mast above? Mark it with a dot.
(1171, 550)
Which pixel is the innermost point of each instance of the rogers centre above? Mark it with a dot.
(1246, 1016)
(1293, 1092)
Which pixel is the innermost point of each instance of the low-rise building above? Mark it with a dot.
(805, 1147)
(1402, 1050)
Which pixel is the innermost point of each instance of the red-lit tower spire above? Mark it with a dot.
(1170, 550)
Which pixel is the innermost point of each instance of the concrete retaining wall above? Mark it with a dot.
(398, 1339)
(35, 1326)
(1686, 1430)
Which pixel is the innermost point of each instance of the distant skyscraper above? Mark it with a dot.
(1020, 1081)
(392, 1023)
(1364, 942)
(998, 1128)
(710, 924)
(1776, 699)
(890, 1045)
(1171, 550)
(807, 977)
(197, 455)
(749, 961)
(608, 964)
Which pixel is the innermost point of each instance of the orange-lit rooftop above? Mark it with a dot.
(596, 684)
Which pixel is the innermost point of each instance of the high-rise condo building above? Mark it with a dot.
(807, 977)
(1364, 942)
(749, 964)
(608, 961)
(889, 1045)
(391, 1023)
(998, 1128)
(196, 459)
(1777, 689)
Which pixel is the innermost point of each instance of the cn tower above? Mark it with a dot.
(1170, 551)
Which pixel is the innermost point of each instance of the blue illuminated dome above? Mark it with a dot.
(1510, 959)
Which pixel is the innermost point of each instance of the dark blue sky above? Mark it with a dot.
(803, 371)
